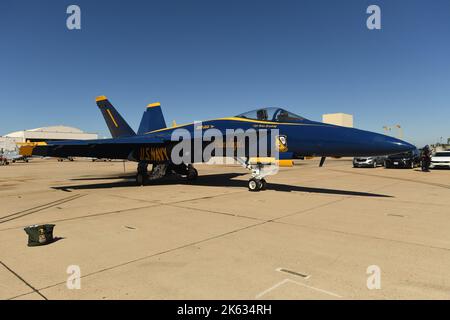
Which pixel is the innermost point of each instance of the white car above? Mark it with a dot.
(440, 159)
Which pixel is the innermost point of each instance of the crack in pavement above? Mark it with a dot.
(24, 281)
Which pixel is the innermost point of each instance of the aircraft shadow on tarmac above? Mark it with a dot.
(212, 180)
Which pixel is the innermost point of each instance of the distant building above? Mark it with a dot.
(8, 141)
(340, 119)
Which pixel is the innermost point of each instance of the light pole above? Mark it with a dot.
(399, 128)
(400, 131)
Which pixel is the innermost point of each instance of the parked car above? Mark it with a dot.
(410, 159)
(372, 162)
(440, 159)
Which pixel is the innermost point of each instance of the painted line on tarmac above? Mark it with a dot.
(279, 284)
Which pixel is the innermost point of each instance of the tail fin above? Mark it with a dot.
(116, 124)
(152, 119)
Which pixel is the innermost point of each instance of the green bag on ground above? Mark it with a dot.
(39, 235)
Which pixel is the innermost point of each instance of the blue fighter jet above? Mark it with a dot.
(295, 138)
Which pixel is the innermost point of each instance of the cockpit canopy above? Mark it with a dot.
(271, 114)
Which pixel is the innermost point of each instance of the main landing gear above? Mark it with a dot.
(160, 170)
(184, 170)
(192, 173)
(259, 169)
(143, 176)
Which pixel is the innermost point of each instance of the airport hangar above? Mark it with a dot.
(9, 141)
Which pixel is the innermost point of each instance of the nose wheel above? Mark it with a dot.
(255, 185)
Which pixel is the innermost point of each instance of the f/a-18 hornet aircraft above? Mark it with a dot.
(259, 140)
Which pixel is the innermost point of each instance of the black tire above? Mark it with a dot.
(263, 184)
(374, 164)
(192, 174)
(253, 185)
(141, 179)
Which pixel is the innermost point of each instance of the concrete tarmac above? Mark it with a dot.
(315, 233)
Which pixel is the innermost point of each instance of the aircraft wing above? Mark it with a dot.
(118, 148)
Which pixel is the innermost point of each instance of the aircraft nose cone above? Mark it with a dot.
(390, 145)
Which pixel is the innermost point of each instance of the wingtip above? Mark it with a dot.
(155, 104)
(100, 98)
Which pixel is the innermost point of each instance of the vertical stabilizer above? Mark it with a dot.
(152, 119)
(116, 124)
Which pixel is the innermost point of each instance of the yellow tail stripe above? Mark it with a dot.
(112, 118)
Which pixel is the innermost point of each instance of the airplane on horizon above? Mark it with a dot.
(296, 138)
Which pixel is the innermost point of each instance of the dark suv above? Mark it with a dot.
(410, 159)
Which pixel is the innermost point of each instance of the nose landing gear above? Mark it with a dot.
(260, 169)
(256, 184)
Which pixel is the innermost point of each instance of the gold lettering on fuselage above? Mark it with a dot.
(270, 126)
(156, 154)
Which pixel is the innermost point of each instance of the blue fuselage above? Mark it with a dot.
(307, 138)
(304, 138)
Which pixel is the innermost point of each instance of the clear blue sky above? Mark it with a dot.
(211, 58)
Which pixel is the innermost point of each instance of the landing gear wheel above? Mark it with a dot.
(192, 174)
(254, 185)
(263, 184)
(141, 179)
